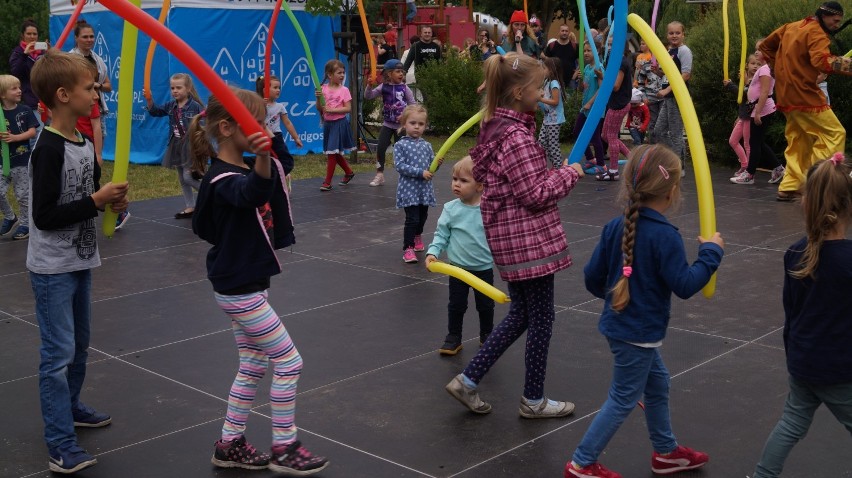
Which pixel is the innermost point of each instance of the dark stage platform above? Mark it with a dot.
(371, 395)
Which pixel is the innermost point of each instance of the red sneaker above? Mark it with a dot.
(681, 459)
(595, 470)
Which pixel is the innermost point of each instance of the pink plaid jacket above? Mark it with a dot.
(518, 206)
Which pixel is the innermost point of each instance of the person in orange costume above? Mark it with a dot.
(798, 52)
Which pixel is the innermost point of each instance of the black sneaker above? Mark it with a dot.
(452, 345)
(483, 338)
(238, 454)
(70, 460)
(296, 460)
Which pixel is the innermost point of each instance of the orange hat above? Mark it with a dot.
(518, 16)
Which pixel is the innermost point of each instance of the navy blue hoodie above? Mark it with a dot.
(245, 217)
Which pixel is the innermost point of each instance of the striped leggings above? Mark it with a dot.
(261, 337)
(610, 133)
(548, 137)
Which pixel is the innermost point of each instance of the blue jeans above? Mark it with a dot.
(802, 402)
(638, 136)
(412, 10)
(63, 309)
(637, 371)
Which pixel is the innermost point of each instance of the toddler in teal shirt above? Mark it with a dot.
(460, 232)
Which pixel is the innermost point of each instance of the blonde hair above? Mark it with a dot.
(410, 110)
(7, 82)
(652, 172)
(58, 69)
(205, 126)
(504, 73)
(827, 203)
(464, 166)
(187, 82)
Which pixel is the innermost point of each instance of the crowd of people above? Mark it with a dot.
(505, 216)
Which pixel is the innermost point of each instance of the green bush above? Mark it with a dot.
(716, 107)
(449, 92)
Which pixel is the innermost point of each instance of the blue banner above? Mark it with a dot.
(233, 42)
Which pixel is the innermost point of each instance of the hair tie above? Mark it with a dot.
(664, 171)
(829, 10)
(203, 113)
(502, 58)
(626, 271)
(641, 163)
(837, 158)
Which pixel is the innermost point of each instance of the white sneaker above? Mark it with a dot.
(777, 175)
(545, 409)
(378, 180)
(744, 178)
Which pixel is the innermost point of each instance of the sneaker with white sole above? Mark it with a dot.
(70, 460)
(22, 232)
(409, 256)
(467, 396)
(545, 409)
(418, 244)
(744, 178)
(121, 220)
(739, 171)
(595, 470)
(378, 180)
(87, 417)
(295, 460)
(777, 175)
(237, 453)
(7, 225)
(681, 459)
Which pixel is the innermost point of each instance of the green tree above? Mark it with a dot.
(12, 13)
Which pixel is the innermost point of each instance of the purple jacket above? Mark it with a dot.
(519, 209)
(20, 66)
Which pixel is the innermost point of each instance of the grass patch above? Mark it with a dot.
(153, 181)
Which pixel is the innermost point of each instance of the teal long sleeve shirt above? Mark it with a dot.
(460, 232)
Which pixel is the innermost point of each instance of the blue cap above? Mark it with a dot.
(393, 64)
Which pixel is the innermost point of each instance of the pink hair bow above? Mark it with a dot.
(836, 158)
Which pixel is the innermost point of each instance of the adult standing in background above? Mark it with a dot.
(565, 48)
(426, 49)
(23, 58)
(84, 38)
(538, 32)
(798, 53)
(520, 38)
(423, 50)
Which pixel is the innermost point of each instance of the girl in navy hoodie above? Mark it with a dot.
(242, 211)
(817, 329)
(642, 243)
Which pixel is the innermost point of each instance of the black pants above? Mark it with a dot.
(282, 153)
(760, 151)
(458, 305)
(385, 135)
(415, 219)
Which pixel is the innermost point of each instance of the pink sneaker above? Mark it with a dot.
(418, 244)
(595, 470)
(681, 459)
(409, 256)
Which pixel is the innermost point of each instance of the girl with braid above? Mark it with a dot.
(642, 243)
